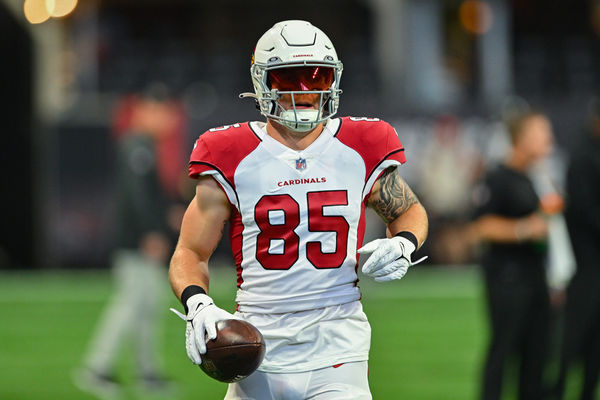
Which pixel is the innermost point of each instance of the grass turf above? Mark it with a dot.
(428, 335)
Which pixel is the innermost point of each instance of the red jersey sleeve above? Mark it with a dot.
(219, 151)
(394, 148)
(377, 143)
(200, 159)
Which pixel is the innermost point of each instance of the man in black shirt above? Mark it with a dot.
(508, 221)
(582, 317)
(142, 246)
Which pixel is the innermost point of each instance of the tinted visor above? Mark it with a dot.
(300, 78)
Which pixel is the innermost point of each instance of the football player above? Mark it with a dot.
(294, 189)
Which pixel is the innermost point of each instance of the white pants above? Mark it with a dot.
(313, 339)
(132, 312)
(347, 381)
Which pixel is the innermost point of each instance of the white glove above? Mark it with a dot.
(390, 259)
(201, 324)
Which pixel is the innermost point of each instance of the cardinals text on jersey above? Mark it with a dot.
(297, 216)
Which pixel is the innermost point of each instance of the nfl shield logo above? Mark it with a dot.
(301, 163)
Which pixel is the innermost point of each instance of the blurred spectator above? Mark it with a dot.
(451, 166)
(509, 221)
(145, 124)
(582, 320)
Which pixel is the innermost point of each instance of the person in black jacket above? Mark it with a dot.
(508, 221)
(582, 315)
(141, 248)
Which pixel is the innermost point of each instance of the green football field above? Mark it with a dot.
(429, 333)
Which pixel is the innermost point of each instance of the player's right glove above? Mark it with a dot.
(201, 323)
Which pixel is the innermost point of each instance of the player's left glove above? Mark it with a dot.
(390, 258)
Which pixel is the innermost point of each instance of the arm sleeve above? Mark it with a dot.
(202, 163)
(395, 149)
(200, 160)
(387, 153)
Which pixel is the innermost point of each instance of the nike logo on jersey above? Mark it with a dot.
(301, 181)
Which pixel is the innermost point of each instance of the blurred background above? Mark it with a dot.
(444, 73)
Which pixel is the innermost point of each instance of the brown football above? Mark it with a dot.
(237, 351)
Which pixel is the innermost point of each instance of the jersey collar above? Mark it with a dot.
(314, 149)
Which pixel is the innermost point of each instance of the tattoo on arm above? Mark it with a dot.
(394, 196)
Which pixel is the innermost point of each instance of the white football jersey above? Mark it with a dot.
(297, 216)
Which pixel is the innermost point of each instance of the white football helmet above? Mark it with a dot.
(295, 58)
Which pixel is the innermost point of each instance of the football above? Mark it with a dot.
(237, 351)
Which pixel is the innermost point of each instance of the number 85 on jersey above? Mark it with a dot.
(278, 244)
